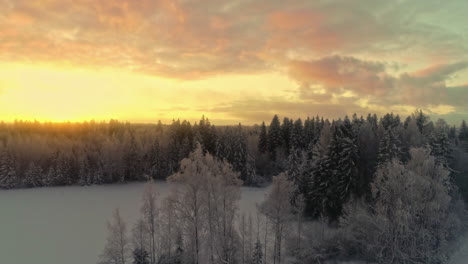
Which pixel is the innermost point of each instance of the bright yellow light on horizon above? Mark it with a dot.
(50, 93)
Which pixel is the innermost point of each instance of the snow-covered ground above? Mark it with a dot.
(461, 255)
(66, 225)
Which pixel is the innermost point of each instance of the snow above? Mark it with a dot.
(461, 255)
(67, 225)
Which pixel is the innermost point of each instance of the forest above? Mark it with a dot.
(373, 189)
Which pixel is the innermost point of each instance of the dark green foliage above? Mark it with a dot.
(207, 136)
(389, 121)
(421, 120)
(32, 176)
(274, 136)
(8, 177)
(59, 171)
(140, 256)
(286, 130)
(440, 146)
(463, 134)
(257, 256)
(336, 176)
(132, 161)
(368, 146)
(156, 161)
(309, 132)
(296, 140)
(263, 139)
(389, 147)
(295, 173)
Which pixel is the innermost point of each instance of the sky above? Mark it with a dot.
(232, 61)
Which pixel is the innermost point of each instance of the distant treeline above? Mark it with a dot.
(37, 154)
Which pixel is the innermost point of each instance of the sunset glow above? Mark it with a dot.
(233, 61)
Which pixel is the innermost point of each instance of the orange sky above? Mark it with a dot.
(233, 61)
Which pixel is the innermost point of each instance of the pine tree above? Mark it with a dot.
(440, 146)
(207, 135)
(297, 136)
(389, 148)
(274, 136)
(84, 171)
(59, 172)
(321, 147)
(131, 161)
(140, 256)
(257, 257)
(286, 130)
(263, 140)
(156, 161)
(296, 163)
(343, 157)
(335, 176)
(8, 177)
(421, 120)
(309, 131)
(98, 177)
(33, 176)
(463, 134)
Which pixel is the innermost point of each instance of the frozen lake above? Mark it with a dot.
(67, 225)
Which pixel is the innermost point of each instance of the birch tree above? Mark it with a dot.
(150, 213)
(116, 250)
(278, 210)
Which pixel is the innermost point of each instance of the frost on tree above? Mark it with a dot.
(116, 250)
(207, 200)
(413, 217)
(8, 177)
(389, 147)
(277, 208)
(150, 212)
(33, 176)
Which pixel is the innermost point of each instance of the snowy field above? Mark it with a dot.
(67, 225)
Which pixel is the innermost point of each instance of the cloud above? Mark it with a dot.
(341, 54)
(199, 39)
(338, 73)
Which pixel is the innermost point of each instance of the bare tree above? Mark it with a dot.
(150, 213)
(188, 196)
(117, 246)
(278, 210)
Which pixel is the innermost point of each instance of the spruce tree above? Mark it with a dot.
(295, 173)
(286, 130)
(263, 139)
(8, 177)
(274, 136)
(84, 172)
(309, 131)
(440, 146)
(335, 176)
(33, 176)
(257, 257)
(156, 161)
(140, 256)
(131, 160)
(463, 134)
(297, 136)
(389, 148)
